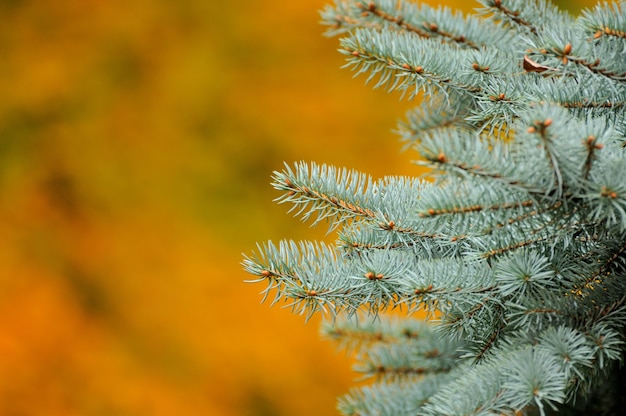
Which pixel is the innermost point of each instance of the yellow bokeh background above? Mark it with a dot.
(137, 141)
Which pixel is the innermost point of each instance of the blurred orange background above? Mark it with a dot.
(137, 140)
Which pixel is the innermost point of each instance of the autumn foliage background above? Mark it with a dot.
(137, 140)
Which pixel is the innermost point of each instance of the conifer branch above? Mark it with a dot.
(565, 55)
(588, 104)
(592, 145)
(596, 68)
(418, 67)
(524, 17)
(606, 270)
(515, 250)
(605, 21)
(420, 20)
(354, 333)
(422, 121)
(313, 190)
(511, 15)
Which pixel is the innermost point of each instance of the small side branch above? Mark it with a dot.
(593, 104)
(595, 68)
(592, 146)
(336, 195)
(332, 201)
(513, 16)
(567, 54)
(499, 251)
(608, 31)
(429, 29)
(474, 208)
(601, 274)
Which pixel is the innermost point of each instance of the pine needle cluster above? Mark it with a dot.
(515, 244)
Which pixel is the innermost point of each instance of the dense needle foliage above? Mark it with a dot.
(516, 243)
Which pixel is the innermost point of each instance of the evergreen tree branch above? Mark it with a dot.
(364, 332)
(394, 362)
(611, 267)
(417, 68)
(605, 21)
(438, 115)
(557, 57)
(313, 190)
(511, 15)
(516, 249)
(390, 399)
(524, 16)
(420, 20)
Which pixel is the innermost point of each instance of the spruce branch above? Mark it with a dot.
(511, 15)
(439, 115)
(568, 47)
(351, 334)
(605, 21)
(396, 363)
(515, 249)
(402, 64)
(313, 189)
(389, 399)
(527, 17)
(420, 20)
